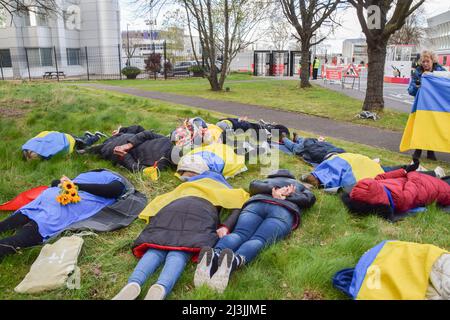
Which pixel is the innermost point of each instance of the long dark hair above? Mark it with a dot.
(363, 208)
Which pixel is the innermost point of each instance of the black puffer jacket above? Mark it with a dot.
(261, 190)
(186, 224)
(148, 147)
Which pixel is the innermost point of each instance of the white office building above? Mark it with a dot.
(439, 32)
(33, 43)
(355, 50)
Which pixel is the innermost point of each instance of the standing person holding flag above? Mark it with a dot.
(427, 127)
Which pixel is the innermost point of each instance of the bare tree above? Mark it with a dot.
(21, 7)
(378, 30)
(413, 31)
(224, 27)
(307, 17)
(279, 32)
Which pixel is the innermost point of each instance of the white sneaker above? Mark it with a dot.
(440, 172)
(130, 292)
(203, 270)
(219, 280)
(156, 292)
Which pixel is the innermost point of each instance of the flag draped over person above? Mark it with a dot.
(428, 126)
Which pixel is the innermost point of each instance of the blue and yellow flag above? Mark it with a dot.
(210, 186)
(221, 158)
(346, 169)
(428, 126)
(49, 143)
(392, 270)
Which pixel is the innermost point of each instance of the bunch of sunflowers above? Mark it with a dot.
(68, 194)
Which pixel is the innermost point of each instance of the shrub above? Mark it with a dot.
(131, 72)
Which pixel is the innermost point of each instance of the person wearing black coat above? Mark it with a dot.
(136, 149)
(272, 212)
(172, 237)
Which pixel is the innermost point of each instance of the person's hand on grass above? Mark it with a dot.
(117, 131)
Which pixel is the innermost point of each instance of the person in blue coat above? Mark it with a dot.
(428, 63)
(44, 217)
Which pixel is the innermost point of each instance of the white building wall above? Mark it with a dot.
(99, 30)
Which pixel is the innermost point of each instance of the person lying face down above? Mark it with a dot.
(180, 223)
(271, 214)
(47, 144)
(44, 217)
(136, 149)
(391, 195)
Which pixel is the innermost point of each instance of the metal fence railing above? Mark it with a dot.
(91, 63)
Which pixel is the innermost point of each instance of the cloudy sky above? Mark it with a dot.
(350, 28)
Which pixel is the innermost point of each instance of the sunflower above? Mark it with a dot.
(65, 200)
(68, 185)
(76, 199)
(59, 199)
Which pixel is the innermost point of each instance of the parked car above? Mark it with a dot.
(182, 68)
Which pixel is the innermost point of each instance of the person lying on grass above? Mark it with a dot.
(136, 149)
(51, 212)
(47, 144)
(312, 150)
(231, 125)
(346, 169)
(181, 222)
(271, 214)
(392, 195)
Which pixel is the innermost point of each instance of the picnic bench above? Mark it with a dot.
(54, 74)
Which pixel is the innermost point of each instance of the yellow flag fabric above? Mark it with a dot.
(400, 271)
(221, 158)
(362, 167)
(209, 189)
(428, 126)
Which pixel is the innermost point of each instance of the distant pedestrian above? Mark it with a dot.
(316, 66)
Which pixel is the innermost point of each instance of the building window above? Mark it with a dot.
(40, 57)
(73, 57)
(33, 19)
(5, 58)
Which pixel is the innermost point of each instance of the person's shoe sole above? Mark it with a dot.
(203, 271)
(130, 292)
(156, 292)
(219, 280)
(89, 133)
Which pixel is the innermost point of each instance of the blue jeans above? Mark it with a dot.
(175, 261)
(295, 146)
(260, 224)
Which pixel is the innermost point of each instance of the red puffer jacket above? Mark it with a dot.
(409, 190)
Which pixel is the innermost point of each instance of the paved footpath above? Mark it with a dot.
(371, 136)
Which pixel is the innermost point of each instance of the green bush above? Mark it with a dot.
(196, 69)
(131, 72)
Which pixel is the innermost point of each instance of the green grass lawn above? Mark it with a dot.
(277, 94)
(302, 266)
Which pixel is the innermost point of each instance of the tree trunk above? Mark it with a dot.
(213, 80)
(374, 100)
(305, 71)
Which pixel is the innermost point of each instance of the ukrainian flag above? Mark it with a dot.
(49, 143)
(428, 126)
(392, 270)
(221, 158)
(346, 169)
(210, 186)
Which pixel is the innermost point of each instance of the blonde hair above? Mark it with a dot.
(430, 54)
